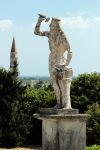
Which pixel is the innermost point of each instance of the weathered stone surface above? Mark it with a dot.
(82, 117)
(60, 72)
(63, 131)
(58, 111)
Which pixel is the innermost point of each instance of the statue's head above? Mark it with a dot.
(55, 24)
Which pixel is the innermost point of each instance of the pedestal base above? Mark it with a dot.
(63, 131)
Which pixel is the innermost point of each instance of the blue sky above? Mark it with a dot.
(80, 21)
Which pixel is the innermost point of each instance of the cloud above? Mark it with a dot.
(81, 22)
(6, 24)
(82, 13)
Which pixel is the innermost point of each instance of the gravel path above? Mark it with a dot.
(34, 148)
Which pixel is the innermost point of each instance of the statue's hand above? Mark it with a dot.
(41, 19)
(42, 16)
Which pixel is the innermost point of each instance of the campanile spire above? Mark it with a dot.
(13, 54)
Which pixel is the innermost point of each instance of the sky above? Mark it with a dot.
(80, 21)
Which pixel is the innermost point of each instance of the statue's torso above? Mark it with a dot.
(57, 49)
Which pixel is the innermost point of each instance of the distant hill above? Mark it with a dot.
(32, 81)
(43, 78)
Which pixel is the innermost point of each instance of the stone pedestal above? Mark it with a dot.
(62, 129)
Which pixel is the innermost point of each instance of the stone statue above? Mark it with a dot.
(60, 73)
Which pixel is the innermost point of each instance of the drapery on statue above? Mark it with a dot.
(60, 73)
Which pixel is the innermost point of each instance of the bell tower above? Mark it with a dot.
(13, 54)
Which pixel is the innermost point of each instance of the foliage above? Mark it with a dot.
(93, 124)
(17, 106)
(85, 90)
(18, 103)
(10, 91)
(94, 147)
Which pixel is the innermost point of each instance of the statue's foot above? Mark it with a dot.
(57, 106)
(67, 106)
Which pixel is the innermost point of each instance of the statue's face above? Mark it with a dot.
(54, 25)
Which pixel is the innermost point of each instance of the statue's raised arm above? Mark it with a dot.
(38, 24)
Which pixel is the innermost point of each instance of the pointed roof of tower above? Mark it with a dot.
(13, 48)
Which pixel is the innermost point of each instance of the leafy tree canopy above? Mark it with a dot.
(85, 90)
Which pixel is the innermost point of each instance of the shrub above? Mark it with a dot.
(11, 89)
(93, 124)
(94, 147)
(85, 90)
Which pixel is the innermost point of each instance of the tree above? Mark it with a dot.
(11, 89)
(85, 90)
(93, 124)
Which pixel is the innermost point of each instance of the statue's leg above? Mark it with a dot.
(54, 82)
(65, 88)
(57, 91)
